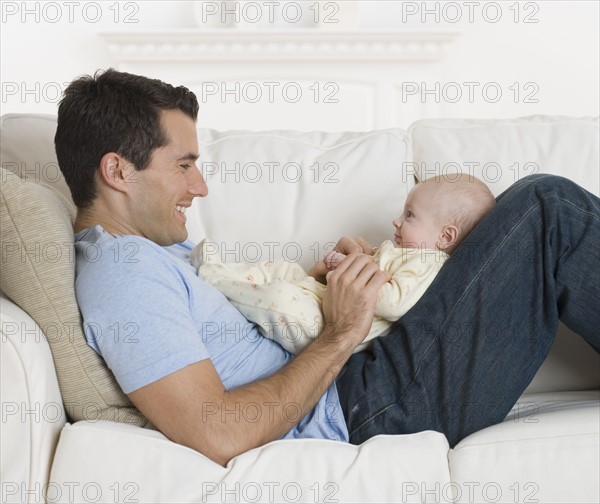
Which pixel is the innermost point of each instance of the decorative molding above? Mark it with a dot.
(227, 45)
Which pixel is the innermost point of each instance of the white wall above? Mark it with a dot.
(39, 54)
(559, 54)
(554, 61)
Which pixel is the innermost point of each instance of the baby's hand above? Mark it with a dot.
(332, 259)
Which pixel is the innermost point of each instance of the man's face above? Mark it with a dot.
(165, 189)
(418, 226)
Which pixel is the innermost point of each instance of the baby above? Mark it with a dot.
(285, 302)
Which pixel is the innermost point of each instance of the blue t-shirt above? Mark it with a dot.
(148, 314)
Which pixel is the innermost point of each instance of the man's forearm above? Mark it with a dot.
(280, 401)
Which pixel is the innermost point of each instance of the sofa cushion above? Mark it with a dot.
(411, 468)
(38, 274)
(546, 450)
(28, 150)
(502, 151)
(313, 186)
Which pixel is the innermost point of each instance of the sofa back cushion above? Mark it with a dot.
(500, 152)
(28, 150)
(289, 194)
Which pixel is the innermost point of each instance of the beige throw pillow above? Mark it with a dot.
(38, 274)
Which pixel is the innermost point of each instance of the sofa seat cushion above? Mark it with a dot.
(383, 469)
(546, 450)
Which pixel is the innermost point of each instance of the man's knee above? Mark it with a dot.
(542, 180)
(544, 183)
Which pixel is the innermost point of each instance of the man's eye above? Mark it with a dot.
(185, 166)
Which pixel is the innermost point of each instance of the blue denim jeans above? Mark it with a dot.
(459, 360)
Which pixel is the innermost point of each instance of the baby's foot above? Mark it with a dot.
(332, 259)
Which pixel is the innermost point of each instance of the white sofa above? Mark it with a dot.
(289, 195)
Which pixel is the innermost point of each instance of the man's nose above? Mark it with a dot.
(197, 186)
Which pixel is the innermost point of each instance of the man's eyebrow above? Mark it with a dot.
(190, 156)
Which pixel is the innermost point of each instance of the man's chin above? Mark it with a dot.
(181, 237)
(166, 241)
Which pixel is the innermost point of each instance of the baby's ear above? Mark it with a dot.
(448, 237)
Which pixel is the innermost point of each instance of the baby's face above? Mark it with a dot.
(418, 226)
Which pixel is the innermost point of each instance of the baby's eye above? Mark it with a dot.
(409, 213)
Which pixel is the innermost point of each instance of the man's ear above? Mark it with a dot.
(116, 171)
(448, 237)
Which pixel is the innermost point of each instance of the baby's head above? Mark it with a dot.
(441, 211)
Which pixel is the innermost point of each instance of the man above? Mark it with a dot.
(127, 147)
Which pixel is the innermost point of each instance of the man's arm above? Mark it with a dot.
(192, 407)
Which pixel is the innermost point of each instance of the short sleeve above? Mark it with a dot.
(136, 310)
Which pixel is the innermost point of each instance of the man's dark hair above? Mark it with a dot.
(112, 112)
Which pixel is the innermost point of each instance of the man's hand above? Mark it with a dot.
(344, 246)
(349, 302)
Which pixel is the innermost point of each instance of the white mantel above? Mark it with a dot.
(276, 45)
(363, 70)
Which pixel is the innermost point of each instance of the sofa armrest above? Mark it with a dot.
(32, 408)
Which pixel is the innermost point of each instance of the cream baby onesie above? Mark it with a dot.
(285, 302)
